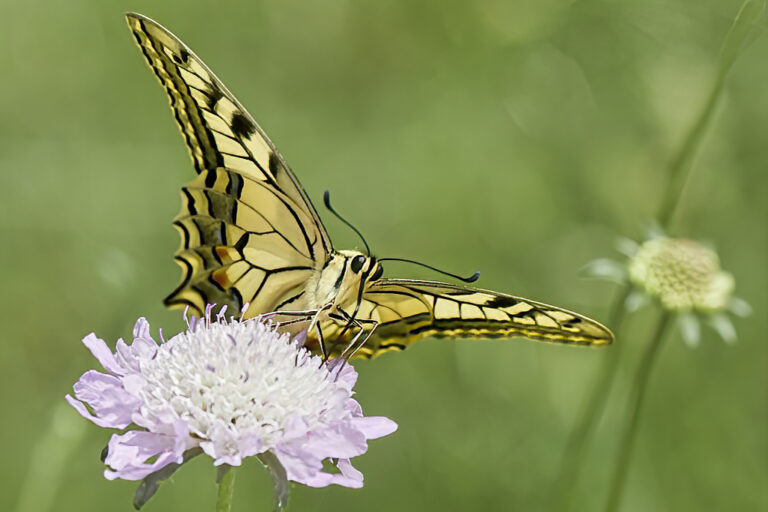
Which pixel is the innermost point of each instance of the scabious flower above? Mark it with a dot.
(231, 389)
(684, 276)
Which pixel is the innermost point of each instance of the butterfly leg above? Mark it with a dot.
(358, 340)
(316, 325)
(357, 346)
(312, 316)
(321, 341)
(305, 316)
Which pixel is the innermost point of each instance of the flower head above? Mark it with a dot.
(229, 389)
(684, 276)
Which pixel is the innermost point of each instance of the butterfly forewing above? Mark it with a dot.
(410, 309)
(249, 232)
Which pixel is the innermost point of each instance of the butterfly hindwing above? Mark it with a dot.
(249, 232)
(407, 310)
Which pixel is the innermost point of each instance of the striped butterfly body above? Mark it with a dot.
(250, 235)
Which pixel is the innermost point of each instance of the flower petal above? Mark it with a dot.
(142, 347)
(374, 427)
(636, 300)
(101, 352)
(300, 466)
(128, 453)
(343, 372)
(627, 246)
(739, 307)
(339, 441)
(352, 477)
(689, 328)
(224, 447)
(606, 268)
(724, 327)
(112, 406)
(348, 477)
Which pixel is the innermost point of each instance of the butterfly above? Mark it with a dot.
(251, 239)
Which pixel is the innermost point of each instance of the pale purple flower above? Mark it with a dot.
(231, 389)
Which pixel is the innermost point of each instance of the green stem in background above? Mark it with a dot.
(225, 481)
(279, 478)
(623, 459)
(592, 409)
(746, 27)
(49, 458)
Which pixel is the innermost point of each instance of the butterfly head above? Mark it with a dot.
(343, 278)
(362, 267)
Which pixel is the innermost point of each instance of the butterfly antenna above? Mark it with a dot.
(470, 279)
(327, 201)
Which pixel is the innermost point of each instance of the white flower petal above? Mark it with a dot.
(689, 328)
(605, 268)
(375, 426)
(101, 352)
(635, 300)
(627, 246)
(724, 327)
(739, 307)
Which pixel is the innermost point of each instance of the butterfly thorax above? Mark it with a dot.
(341, 281)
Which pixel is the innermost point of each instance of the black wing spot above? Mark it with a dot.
(501, 301)
(184, 234)
(398, 346)
(182, 57)
(202, 293)
(235, 185)
(274, 165)
(237, 298)
(242, 126)
(210, 179)
(242, 243)
(190, 202)
(214, 95)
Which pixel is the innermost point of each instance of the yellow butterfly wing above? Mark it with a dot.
(407, 310)
(249, 232)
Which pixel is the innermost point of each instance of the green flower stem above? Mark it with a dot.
(279, 478)
(591, 410)
(747, 25)
(226, 488)
(623, 459)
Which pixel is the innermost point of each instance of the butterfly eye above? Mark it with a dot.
(357, 264)
(377, 275)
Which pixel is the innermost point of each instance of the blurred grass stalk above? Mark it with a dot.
(747, 26)
(49, 458)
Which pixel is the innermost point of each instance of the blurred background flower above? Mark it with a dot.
(684, 276)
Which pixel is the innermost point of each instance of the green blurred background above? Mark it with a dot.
(518, 138)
